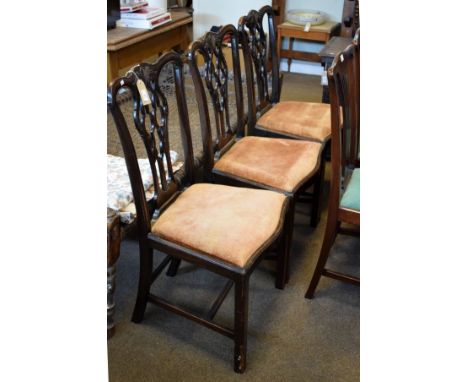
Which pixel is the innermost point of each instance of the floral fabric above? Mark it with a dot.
(119, 190)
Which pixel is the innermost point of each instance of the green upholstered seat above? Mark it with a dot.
(351, 197)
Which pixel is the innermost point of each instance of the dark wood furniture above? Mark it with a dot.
(355, 137)
(350, 18)
(225, 230)
(328, 53)
(344, 200)
(317, 33)
(113, 252)
(254, 36)
(130, 46)
(269, 117)
(279, 9)
(281, 165)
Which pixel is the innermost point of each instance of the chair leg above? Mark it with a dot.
(317, 195)
(144, 282)
(282, 261)
(173, 267)
(289, 230)
(240, 323)
(330, 234)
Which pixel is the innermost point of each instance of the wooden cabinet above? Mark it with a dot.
(130, 46)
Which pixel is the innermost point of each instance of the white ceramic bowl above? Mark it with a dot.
(304, 16)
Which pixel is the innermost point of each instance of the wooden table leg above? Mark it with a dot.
(110, 300)
(291, 42)
(278, 47)
(325, 93)
(113, 252)
(187, 38)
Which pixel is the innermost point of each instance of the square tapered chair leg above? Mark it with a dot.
(241, 323)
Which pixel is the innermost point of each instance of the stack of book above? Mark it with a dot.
(138, 14)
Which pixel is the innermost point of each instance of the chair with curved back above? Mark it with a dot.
(225, 230)
(283, 165)
(344, 198)
(294, 119)
(267, 115)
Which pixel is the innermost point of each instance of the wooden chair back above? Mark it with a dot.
(151, 120)
(212, 77)
(263, 54)
(357, 43)
(342, 88)
(357, 68)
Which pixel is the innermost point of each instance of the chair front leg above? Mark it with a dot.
(144, 282)
(240, 323)
(282, 261)
(288, 234)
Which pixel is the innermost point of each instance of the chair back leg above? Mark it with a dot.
(173, 267)
(330, 235)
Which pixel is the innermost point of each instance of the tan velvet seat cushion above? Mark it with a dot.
(301, 119)
(230, 223)
(284, 164)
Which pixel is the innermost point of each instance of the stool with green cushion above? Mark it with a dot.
(344, 201)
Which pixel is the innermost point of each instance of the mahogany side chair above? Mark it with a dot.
(225, 230)
(344, 199)
(267, 115)
(295, 119)
(351, 131)
(283, 165)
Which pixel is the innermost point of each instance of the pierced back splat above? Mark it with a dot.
(213, 76)
(151, 120)
(263, 53)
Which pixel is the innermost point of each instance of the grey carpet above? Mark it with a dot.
(289, 338)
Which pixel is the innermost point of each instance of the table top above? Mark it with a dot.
(120, 37)
(327, 26)
(335, 46)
